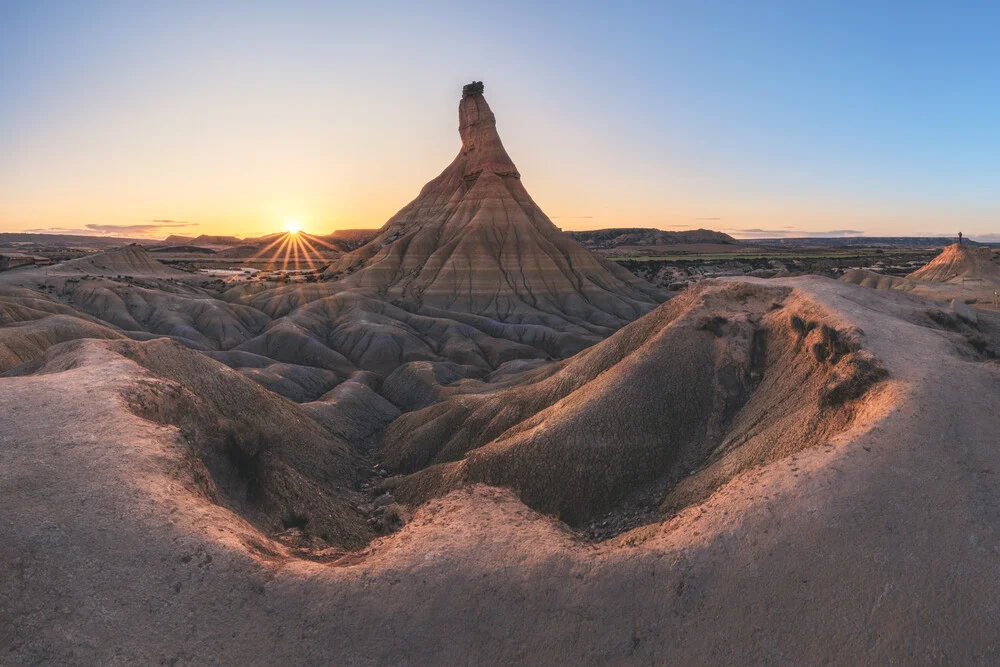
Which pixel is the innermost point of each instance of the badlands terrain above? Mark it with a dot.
(468, 438)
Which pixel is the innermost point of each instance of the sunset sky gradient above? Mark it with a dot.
(759, 119)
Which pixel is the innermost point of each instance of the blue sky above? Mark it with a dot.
(785, 117)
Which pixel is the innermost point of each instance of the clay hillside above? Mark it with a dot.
(801, 466)
(964, 274)
(474, 241)
(130, 260)
(961, 260)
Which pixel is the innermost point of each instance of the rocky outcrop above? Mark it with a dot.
(474, 88)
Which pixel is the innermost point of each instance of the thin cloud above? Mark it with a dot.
(708, 218)
(571, 217)
(152, 229)
(136, 229)
(54, 230)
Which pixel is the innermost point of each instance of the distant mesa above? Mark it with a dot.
(639, 240)
(205, 239)
(650, 236)
(64, 241)
(194, 249)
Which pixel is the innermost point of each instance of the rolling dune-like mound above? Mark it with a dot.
(959, 261)
(473, 241)
(31, 322)
(194, 315)
(719, 379)
(129, 260)
(354, 410)
(875, 280)
(25, 342)
(379, 336)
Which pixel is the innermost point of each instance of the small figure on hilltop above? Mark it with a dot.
(960, 238)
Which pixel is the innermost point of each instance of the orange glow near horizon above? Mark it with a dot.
(146, 120)
(296, 251)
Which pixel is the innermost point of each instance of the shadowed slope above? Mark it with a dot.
(727, 375)
(177, 311)
(247, 449)
(31, 322)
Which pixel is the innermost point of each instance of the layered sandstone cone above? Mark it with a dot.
(959, 261)
(474, 241)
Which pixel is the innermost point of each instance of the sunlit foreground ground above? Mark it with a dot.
(876, 545)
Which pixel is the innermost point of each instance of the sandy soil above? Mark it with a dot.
(881, 547)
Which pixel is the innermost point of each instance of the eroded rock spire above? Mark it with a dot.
(474, 241)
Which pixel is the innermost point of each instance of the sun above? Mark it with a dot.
(292, 226)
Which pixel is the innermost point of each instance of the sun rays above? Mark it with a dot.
(296, 251)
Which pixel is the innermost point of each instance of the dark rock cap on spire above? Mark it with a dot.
(474, 88)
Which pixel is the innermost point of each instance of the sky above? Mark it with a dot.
(760, 119)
